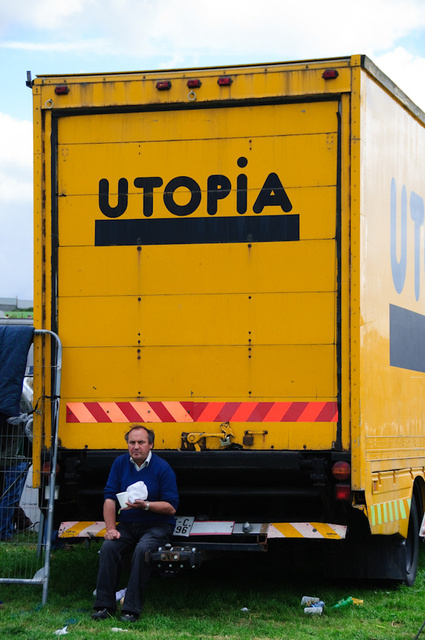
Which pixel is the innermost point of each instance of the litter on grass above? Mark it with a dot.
(307, 601)
(315, 609)
(312, 605)
(346, 602)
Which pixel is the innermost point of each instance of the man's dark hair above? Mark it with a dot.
(151, 434)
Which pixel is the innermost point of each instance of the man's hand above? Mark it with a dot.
(156, 507)
(112, 534)
(137, 504)
(109, 515)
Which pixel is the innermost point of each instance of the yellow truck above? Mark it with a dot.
(235, 258)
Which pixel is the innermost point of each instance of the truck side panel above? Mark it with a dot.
(392, 306)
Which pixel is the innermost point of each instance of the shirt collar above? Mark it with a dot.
(144, 464)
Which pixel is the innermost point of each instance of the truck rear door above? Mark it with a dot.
(197, 274)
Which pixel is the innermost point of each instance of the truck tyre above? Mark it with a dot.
(412, 544)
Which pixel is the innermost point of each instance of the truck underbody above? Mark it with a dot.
(233, 485)
(230, 500)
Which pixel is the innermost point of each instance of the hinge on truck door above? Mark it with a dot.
(196, 440)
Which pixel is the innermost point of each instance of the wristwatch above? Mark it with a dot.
(147, 505)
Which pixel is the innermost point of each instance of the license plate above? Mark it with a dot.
(183, 526)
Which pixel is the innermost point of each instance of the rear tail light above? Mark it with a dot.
(343, 492)
(47, 468)
(341, 470)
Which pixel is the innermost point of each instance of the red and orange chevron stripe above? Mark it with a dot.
(201, 412)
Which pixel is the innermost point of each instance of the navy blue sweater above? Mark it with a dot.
(160, 480)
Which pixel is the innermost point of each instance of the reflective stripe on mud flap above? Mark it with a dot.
(389, 511)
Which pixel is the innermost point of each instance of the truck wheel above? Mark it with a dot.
(412, 544)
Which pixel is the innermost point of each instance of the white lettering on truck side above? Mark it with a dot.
(399, 244)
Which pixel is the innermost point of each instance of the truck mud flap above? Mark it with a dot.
(377, 558)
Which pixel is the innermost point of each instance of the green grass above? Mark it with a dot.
(20, 559)
(207, 602)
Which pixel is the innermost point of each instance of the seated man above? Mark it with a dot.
(144, 525)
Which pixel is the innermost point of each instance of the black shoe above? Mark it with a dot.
(102, 614)
(129, 617)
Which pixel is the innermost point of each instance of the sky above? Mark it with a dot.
(84, 36)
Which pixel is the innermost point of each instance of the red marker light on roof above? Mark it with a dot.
(329, 74)
(163, 85)
(225, 81)
(194, 83)
(61, 89)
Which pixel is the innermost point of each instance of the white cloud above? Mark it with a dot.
(42, 14)
(16, 248)
(279, 28)
(16, 193)
(16, 142)
(407, 71)
(99, 46)
(15, 160)
(14, 188)
(188, 29)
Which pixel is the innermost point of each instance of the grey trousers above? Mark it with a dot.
(135, 538)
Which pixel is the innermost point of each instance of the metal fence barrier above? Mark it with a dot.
(25, 528)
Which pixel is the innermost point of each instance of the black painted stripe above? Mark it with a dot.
(161, 231)
(407, 339)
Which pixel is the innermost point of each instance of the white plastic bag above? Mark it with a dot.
(137, 491)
